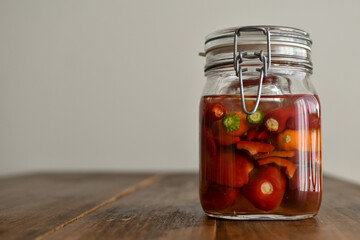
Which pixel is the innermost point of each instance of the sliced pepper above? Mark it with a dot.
(289, 166)
(234, 124)
(221, 137)
(255, 118)
(231, 169)
(254, 147)
(275, 121)
(266, 187)
(212, 112)
(283, 154)
(260, 135)
(251, 134)
(216, 111)
(299, 140)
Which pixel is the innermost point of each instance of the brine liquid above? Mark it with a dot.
(237, 180)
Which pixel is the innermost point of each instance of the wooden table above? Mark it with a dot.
(146, 206)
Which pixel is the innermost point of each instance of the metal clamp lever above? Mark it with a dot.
(238, 58)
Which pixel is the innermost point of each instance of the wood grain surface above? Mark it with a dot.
(32, 205)
(143, 206)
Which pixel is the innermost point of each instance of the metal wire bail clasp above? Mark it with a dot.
(239, 57)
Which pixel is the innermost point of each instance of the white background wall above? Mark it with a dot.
(115, 85)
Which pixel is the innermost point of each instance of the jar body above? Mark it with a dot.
(266, 165)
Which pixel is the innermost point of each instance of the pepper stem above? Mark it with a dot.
(272, 124)
(256, 117)
(267, 188)
(231, 122)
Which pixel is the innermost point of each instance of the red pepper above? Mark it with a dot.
(216, 197)
(310, 121)
(254, 147)
(215, 111)
(289, 166)
(221, 136)
(231, 169)
(252, 133)
(266, 187)
(275, 121)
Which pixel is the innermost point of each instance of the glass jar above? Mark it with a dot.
(260, 147)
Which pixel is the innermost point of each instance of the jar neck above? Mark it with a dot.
(281, 80)
(275, 69)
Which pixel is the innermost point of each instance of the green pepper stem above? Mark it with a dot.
(231, 122)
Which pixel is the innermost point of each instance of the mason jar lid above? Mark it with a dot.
(288, 46)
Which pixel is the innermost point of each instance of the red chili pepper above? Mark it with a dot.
(275, 121)
(231, 169)
(289, 166)
(254, 147)
(266, 187)
(216, 197)
(221, 136)
(215, 111)
(310, 121)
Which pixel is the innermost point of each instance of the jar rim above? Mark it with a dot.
(288, 36)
